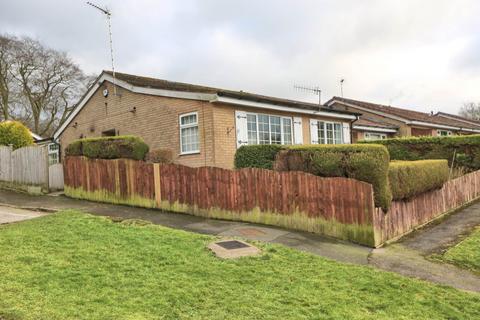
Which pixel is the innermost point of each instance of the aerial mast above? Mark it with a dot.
(108, 14)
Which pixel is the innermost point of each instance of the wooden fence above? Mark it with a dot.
(404, 216)
(28, 167)
(338, 207)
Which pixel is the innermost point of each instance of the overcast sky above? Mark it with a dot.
(420, 54)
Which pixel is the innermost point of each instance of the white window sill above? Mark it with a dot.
(189, 153)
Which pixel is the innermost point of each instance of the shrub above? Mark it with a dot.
(160, 156)
(409, 178)
(367, 163)
(16, 134)
(465, 148)
(129, 147)
(257, 156)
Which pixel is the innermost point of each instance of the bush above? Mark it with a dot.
(129, 147)
(368, 163)
(409, 178)
(160, 156)
(16, 134)
(465, 148)
(257, 156)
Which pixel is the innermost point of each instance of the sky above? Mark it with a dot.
(418, 54)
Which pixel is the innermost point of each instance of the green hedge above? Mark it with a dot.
(129, 147)
(466, 149)
(257, 156)
(16, 134)
(409, 178)
(367, 163)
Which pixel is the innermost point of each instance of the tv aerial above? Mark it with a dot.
(311, 89)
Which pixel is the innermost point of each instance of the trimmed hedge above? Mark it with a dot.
(129, 147)
(257, 156)
(409, 178)
(16, 134)
(367, 163)
(466, 149)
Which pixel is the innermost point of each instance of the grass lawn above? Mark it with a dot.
(77, 266)
(465, 254)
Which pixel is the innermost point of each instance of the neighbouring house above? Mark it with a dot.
(381, 121)
(203, 126)
(52, 147)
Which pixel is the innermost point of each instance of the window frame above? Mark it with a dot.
(325, 135)
(448, 133)
(383, 136)
(186, 126)
(282, 130)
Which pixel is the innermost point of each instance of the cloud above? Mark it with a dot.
(420, 54)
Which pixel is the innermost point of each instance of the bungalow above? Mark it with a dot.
(203, 126)
(401, 122)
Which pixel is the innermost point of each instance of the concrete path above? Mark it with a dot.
(408, 257)
(331, 248)
(10, 214)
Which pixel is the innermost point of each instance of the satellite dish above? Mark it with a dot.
(105, 93)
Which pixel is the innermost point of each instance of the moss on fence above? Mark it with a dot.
(362, 234)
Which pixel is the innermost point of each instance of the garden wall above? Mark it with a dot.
(338, 207)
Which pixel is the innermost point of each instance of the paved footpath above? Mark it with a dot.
(406, 257)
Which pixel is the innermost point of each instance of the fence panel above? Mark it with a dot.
(337, 207)
(55, 176)
(30, 166)
(5, 164)
(406, 215)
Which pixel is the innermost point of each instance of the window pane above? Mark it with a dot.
(275, 130)
(191, 119)
(329, 133)
(252, 128)
(287, 131)
(190, 140)
(263, 129)
(338, 133)
(321, 132)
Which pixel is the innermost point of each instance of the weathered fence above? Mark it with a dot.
(405, 216)
(27, 168)
(338, 207)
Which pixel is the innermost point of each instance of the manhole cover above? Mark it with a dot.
(232, 244)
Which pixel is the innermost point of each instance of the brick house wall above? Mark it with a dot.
(156, 120)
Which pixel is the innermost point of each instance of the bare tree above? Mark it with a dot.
(470, 110)
(38, 85)
(51, 83)
(8, 47)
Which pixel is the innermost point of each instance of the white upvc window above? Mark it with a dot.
(268, 129)
(444, 133)
(328, 132)
(189, 133)
(53, 153)
(374, 136)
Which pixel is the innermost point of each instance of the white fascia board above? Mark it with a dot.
(35, 136)
(374, 129)
(440, 126)
(135, 89)
(269, 106)
(383, 114)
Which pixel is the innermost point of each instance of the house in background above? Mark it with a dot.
(203, 126)
(404, 122)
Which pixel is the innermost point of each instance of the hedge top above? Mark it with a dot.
(130, 147)
(473, 139)
(16, 134)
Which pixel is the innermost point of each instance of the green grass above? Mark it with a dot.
(465, 254)
(77, 266)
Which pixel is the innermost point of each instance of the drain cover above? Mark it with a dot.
(232, 244)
